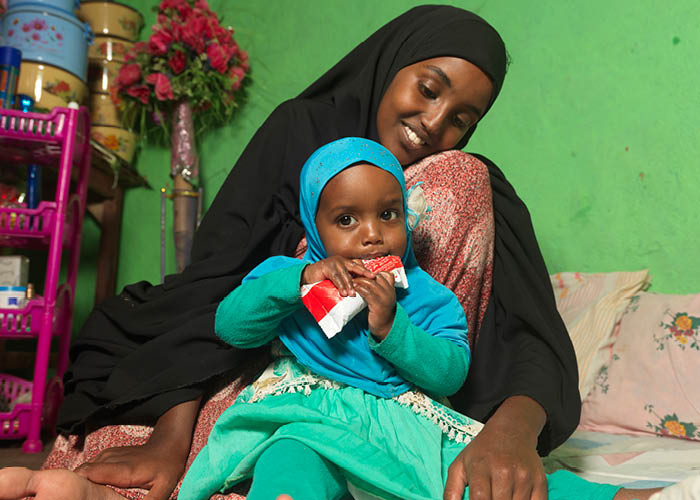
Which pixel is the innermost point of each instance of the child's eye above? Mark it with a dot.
(390, 214)
(346, 220)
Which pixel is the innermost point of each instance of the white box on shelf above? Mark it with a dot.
(14, 270)
(12, 296)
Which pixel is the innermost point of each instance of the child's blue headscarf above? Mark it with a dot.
(347, 357)
(327, 162)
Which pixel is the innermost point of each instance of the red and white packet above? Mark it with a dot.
(331, 310)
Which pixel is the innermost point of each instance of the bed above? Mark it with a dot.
(639, 373)
(630, 461)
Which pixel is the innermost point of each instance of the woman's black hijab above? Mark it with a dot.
(152, 347)
(422, 33)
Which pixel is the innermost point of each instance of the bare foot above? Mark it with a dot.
(18, 482)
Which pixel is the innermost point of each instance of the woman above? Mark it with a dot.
(142, 356)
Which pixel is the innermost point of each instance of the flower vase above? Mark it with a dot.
(184, 169)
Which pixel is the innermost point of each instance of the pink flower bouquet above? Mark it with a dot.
(190, 58)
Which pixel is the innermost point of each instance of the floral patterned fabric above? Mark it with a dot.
(650, 382)
(591, 304)
(454, 245)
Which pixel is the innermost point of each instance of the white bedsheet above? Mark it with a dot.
(631, 461)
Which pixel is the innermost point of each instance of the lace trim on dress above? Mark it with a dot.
(270, 383)
(284, 376)
(461, 430)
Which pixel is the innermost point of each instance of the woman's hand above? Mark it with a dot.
(501, 462)
(151, 467)
(380, 295)
(157, 465)
(339, 270)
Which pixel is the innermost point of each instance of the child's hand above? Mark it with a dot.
(380, 295)
(339, 270)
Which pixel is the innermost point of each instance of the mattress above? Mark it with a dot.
(630, 461)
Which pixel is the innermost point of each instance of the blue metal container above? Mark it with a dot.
(47, 34)
(68, 5)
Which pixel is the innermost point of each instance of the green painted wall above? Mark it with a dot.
(597, 127)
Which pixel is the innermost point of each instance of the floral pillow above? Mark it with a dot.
(651, 382)
(590, 305)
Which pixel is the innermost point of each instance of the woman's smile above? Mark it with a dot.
(413, 138)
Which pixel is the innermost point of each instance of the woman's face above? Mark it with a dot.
(430, 105)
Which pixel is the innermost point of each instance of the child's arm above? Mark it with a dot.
(250, 315)
(436, 365)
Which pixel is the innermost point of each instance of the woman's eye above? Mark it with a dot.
(390, 215)
(425, 90)
(346, 220)
(459, 123)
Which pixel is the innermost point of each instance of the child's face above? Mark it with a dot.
(360, 214)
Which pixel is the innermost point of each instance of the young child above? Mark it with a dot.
(349, 414)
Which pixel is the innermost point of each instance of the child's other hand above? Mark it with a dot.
(339, 270)
(380, 295)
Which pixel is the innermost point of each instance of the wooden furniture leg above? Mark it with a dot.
(110, 234)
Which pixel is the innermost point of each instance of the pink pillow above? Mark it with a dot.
(590, 305)
(651, 383)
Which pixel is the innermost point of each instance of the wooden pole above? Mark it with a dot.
(185, 200)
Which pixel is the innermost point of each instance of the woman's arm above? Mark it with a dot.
(523, 370)
(523, 346)
(436, 365)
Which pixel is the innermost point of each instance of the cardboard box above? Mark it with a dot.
(12, 297)
(14, 270)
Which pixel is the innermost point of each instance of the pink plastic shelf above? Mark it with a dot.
(25, 227)
(22, 323)
(37, 137)
(13, 424)
(60, 140)
(19, 226)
